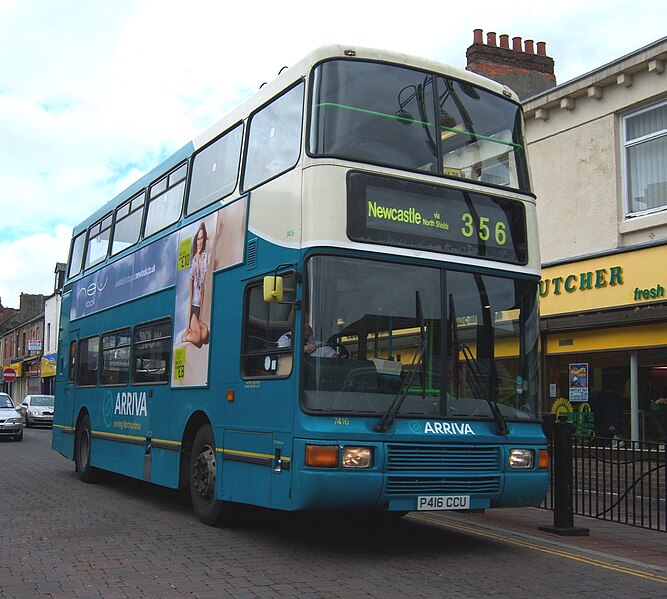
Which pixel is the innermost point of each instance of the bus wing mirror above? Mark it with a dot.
(273, 289)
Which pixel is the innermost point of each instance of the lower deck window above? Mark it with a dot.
(152, 352)
(115, 365)
(88, 359)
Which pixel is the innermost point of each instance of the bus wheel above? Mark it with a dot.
(87, 473)
(202, 478)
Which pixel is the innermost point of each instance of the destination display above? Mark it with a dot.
(427, 217)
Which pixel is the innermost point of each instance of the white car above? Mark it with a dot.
(37, 409)
(11, 423)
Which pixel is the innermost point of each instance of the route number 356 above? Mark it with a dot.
(485, 228)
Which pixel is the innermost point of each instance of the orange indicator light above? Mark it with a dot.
(322, 456)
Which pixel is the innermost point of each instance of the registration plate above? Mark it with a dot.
(443, 502)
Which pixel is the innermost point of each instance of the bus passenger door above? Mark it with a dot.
(268, 398)
(64, 417)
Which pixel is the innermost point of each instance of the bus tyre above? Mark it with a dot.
(87, 473)
(202, 478)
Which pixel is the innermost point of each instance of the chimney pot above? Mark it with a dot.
(542, 48)
(530, 48)
(491, 38)
(504, 41)
(477, 36)
(516, 44)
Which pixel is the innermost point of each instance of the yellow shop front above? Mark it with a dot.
(604, 340)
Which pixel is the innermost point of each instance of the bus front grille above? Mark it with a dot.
(443, 459)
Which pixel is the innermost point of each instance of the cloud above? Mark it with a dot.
(95, 94)
(28, 264)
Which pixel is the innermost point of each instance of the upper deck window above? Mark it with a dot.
(401, 117)
(166, 199)
(274, 140)
(215, 170)
(128, 224)
(98, 241)
(76, 255)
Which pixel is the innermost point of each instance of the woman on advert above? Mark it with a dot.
(197, 332)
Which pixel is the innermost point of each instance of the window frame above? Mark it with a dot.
(82, 250)
(629, 213)
(142, 194)
(248, 132)
(134, 351)
(523, 179)
(81, 371)
(202, 151)
(102, 350)
(96, 230)
(159, 189)
(249, 354)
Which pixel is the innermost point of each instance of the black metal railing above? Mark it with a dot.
(614, 479)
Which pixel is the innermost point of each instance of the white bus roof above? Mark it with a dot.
(286, 78)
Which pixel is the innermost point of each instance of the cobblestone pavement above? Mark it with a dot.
(126, 539)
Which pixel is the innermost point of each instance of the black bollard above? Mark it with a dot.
(562, 482)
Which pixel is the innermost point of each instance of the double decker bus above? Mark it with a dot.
(326, 301)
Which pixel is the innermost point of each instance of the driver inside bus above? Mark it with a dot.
(311, 346)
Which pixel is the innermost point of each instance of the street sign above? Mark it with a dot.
(9, 374)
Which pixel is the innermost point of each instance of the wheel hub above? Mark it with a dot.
(203, 474)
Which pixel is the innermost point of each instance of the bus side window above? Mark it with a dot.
(98, 241)
(152, 352)
(215, 170)
(115, 364)
(76, 255)
(128, 224)
(166, 200)
(267, 332)
(87, 362)
(274, 140)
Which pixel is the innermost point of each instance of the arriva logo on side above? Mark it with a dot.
(131, 404)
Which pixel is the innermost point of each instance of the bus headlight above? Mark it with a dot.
(521, 458)
(357, 457)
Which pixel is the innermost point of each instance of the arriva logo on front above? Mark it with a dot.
(131, 404)
(448, 428)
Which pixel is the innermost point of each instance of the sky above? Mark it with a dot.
(95, 93)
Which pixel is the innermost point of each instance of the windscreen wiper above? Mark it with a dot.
(476, 375)
(390, 416)
(477, 388)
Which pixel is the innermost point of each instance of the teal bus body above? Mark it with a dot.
(424, 395)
